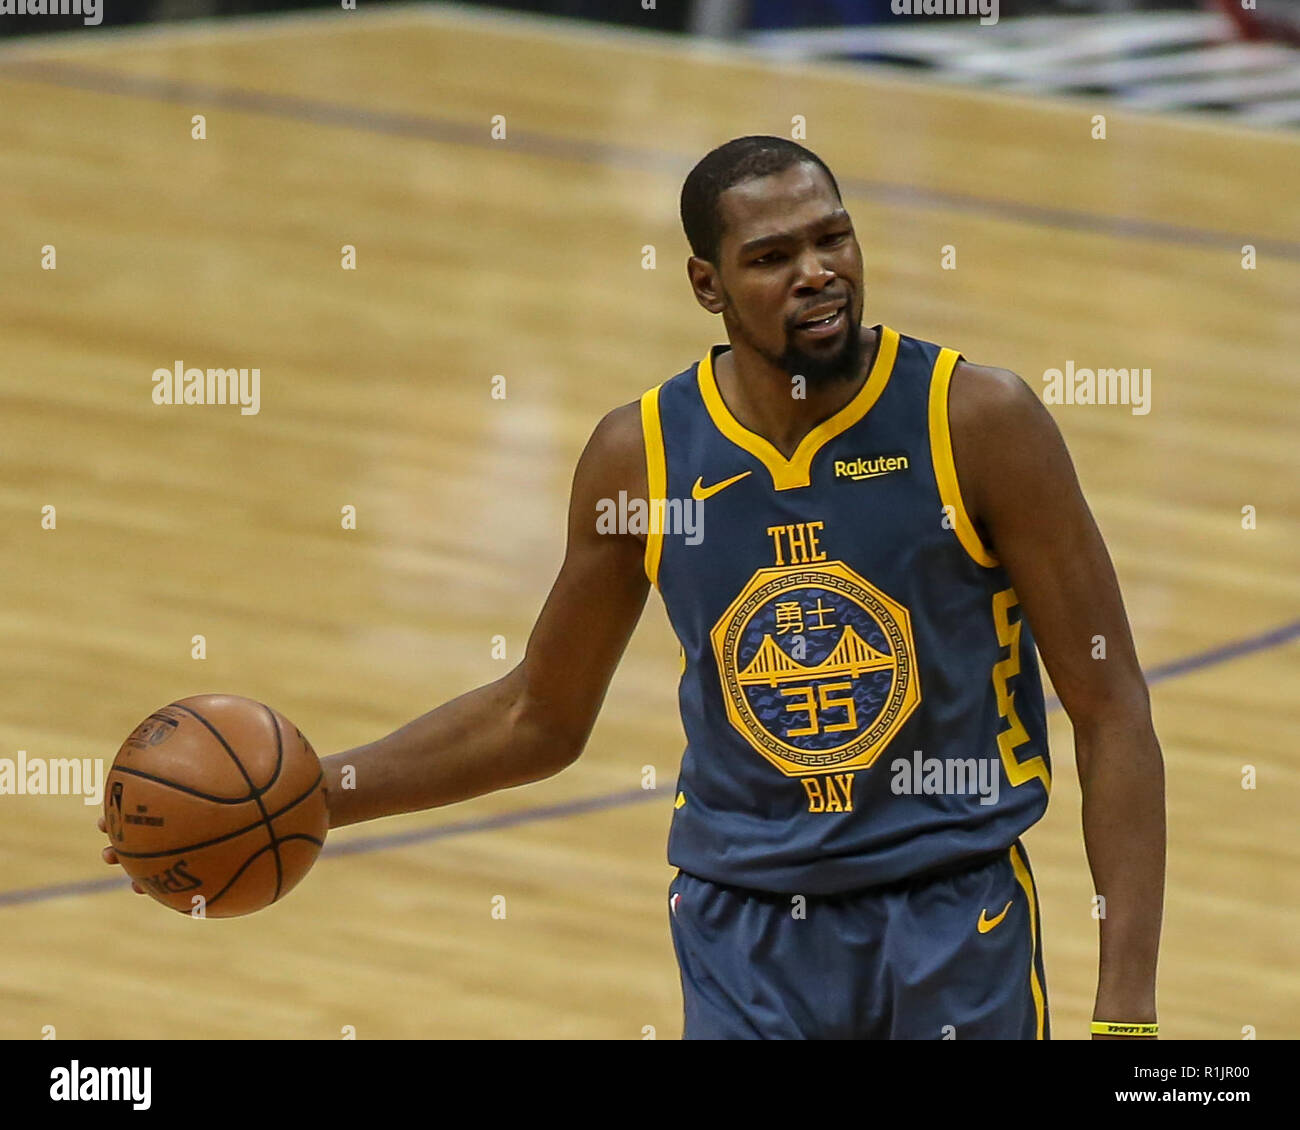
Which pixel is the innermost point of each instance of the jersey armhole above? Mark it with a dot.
(945, 468)
(656, 468)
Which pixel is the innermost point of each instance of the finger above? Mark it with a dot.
(103, 827)
(108, 855)
(139, 890)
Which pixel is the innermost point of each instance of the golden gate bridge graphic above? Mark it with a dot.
(851, 656)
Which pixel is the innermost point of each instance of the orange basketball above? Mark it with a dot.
(216, 798)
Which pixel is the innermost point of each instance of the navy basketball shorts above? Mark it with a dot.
(951, 957)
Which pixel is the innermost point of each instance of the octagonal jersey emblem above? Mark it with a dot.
(818, 667)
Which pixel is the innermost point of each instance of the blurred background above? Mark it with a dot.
(1234, 57)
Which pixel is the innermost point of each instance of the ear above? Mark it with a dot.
(706, 284)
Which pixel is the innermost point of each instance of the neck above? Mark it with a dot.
(759, 395)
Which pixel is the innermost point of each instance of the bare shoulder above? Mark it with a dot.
(983, 394)
(619, 432)
(619, 447)
(1002, 435)
(614, 458)
(995, 410)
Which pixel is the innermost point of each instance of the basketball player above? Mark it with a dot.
(881, 533)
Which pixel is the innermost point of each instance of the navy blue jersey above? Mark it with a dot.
(860, 695)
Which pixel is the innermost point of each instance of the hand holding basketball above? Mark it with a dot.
(215, 805)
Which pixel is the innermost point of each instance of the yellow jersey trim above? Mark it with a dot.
(787, 474)
(656, 472)
(945, 469)
(1035, 986)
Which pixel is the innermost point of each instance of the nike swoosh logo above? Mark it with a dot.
(984, 925)
(700, 492)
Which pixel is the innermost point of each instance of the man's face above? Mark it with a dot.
(789, 256)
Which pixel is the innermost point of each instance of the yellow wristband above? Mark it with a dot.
(1111, 1028)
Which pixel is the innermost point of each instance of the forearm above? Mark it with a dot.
(1122, 778)
(477, 743)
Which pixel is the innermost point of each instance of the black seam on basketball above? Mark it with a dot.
(301, 836)
(235, 877)
(252, 788)
(254, 795)
(179, 787)
(248, 862)
(279, 761)
(279, 747)
(229, 835)
(297, 836)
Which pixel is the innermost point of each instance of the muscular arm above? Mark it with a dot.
(1020, 489)
(534, 721)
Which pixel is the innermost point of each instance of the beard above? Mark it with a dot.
(844, 364)
(817, 371)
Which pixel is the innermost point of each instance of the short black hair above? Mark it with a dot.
(738, 160)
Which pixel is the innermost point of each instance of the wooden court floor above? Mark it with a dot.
(523, 257)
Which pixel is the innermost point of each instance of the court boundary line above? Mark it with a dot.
(364, 845)
(606, 154)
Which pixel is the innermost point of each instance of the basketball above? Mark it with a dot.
(215, 805)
